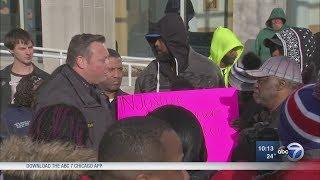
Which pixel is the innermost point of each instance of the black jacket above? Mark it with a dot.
(5, 86)
(65, 87)
(198, 70)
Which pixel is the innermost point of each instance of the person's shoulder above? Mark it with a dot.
(195, 57)
(122, 93)
(197, 61)
(150, 69)
(41, 73)
(55, 83)
(5, 71)
(57, 89)
(264, 31)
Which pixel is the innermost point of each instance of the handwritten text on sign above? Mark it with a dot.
(214, 108)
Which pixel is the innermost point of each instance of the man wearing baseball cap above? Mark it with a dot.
(277, 79)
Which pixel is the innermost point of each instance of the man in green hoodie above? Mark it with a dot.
(225, 51)
(275, 23)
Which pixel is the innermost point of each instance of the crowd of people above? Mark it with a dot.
(71, 114)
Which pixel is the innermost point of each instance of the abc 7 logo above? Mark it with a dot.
(294, 151)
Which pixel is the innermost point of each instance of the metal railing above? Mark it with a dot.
(61, 55)
(134, 61)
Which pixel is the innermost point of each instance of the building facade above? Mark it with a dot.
(52, 23)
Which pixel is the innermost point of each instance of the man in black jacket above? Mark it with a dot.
(176, 63)
(20, 45)
(76, 84)
(111, 85)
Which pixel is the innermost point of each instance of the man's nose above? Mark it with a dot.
(157, 42)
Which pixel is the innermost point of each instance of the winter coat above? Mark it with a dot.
(5, 78)
(222, 42)
(268, 32)
(66, 87)
(23, 149)
(194, 68)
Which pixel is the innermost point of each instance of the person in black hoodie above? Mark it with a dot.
(176, 62)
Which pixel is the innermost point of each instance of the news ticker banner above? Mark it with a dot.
(159, 166)
(214, 109)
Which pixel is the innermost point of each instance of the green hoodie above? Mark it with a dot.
(268, 32)
(222, 42)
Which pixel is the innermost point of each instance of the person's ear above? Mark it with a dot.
(141, 177)
(81, 62)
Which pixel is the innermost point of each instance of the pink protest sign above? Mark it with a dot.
(214, 108)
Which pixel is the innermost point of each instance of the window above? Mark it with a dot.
(135, 17)
(204, 16)
(304, 13)
(26, 15)
(32, 20)
(133, 20)
(10, 18)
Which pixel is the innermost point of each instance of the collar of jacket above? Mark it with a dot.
(120, 93)
(80, 87)
(5, 73)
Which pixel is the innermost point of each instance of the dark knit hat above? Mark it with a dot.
(300, 118)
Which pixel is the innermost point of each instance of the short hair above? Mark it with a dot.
(134, 139)
(187, 127)
(59, 122)
(79, 46)
(113, 53)
(25, 93)
(16, 36)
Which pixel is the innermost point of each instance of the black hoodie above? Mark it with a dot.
(194, 68)
(173, 33)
